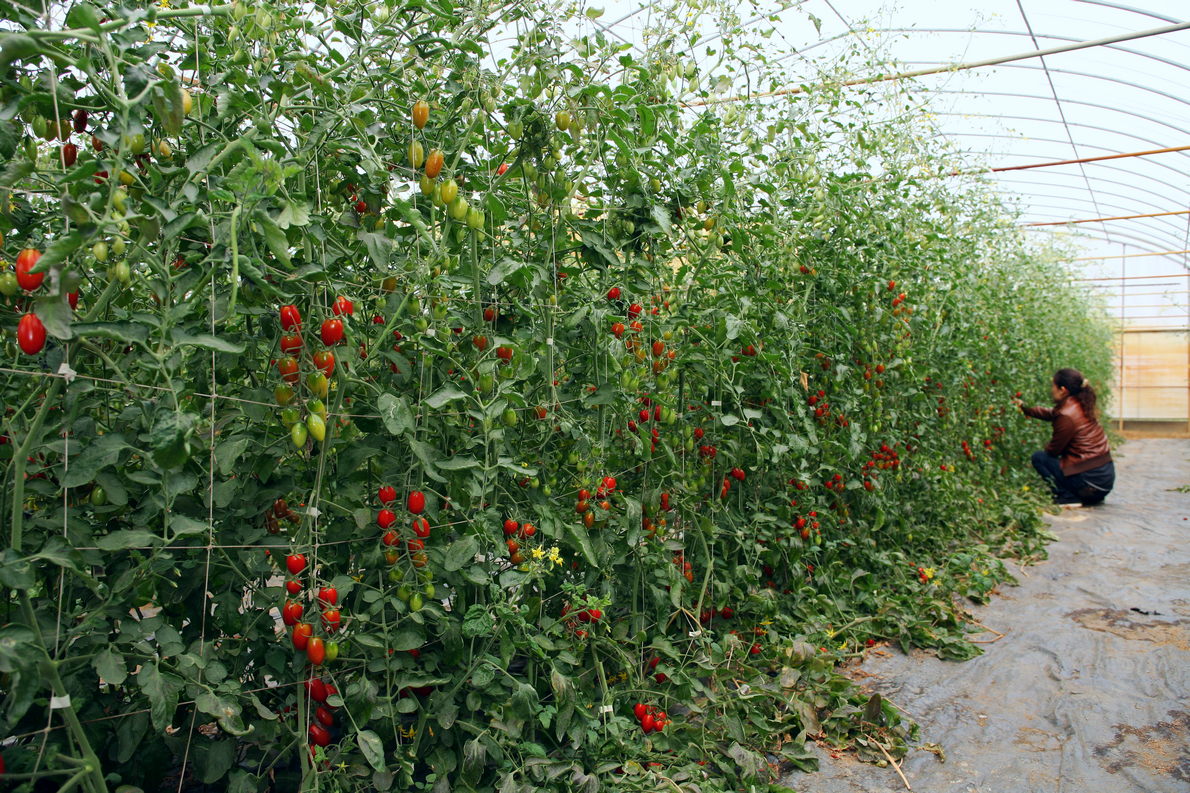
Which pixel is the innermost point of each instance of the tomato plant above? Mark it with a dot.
(594, 241)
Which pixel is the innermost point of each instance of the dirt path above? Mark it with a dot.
(1089, 690)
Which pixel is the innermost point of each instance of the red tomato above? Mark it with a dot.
(315, 649)
(291, 343)
(332, 332)
(73, 299)
(293, 587)
(288, 367)
(434, 163)
(417, 502)
(296, 563)
(331, 620)
(480, 342)
(528, 530)
(416, 544)
(343, 306)
(31, 334)
(291, 318)
(647, 723)
(301, 635)
(317, 690)
(503, 167)
(25, 261)
(421, 113)
(388, 494)
(328, 596)
(70, 153)
(291, 612)
(386, 518)
(325, 360)
(640, 710)
(634, 311)
(325, 717)
(319, 736)
(613, 293)
(421, 527)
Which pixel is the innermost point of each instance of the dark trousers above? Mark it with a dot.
(1089, 487)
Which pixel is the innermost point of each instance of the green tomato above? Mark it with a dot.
(317, 384)
(509, 417)
(485, 383)
(99, 251)
(298, 435)
(317, 426)
(459, 208)
(8, 284)
(474, 218)
(98, 496)
(290, 416)
(428, 589)
(415, 601)
(534, 483)
(316, 407)
(332, 651)
(547, 491)
(404, 592)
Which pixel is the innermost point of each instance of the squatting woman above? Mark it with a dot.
(1076, 463)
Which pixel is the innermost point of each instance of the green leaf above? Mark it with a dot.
(206, 341)
(478, 622)
(395, 413)
(58, 252)
(443, 396)
(16, 46)
(220, 757)
(460, 462)
(373, 749)
(162, 693)
(460, 552)
(200, 159)
(379, 248)
(122, 539)
(274, 238)
(169, 438)
(103, 451)
(229, 452)
(294, 214)
(661, 215)
(410, 637)
(54, 312)
(127, 332)
(15, 571)
(580, 538)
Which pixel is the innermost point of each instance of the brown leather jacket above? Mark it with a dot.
(1078, 440)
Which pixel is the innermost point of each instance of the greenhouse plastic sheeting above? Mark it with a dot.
(1089, 688)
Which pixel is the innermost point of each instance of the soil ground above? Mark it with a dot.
(1089, 687)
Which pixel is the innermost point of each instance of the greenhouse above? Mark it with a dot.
(367, 368)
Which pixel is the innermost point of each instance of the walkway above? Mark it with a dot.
(1089, 690)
